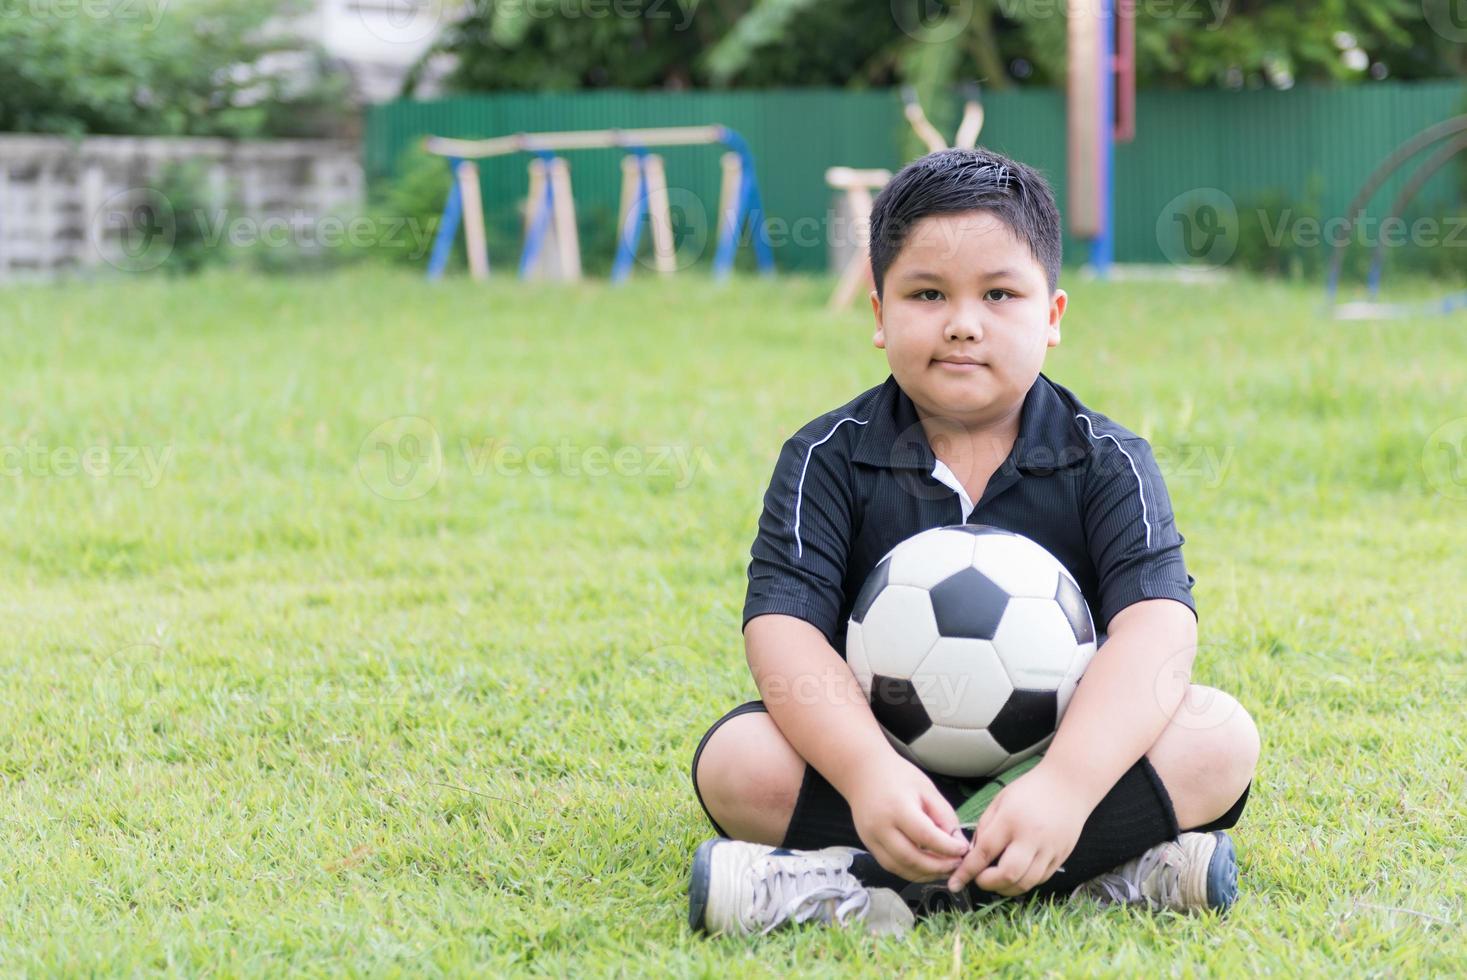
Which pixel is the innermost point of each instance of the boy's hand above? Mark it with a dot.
(908, 826)
(1029, 829)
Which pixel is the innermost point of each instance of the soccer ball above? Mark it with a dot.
(968, 642)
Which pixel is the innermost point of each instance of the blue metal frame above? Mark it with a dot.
(453, 211)
(631, 232)
(748, 210)
(750, 207)
(535, 238)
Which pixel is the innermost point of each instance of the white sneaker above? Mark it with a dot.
(1193, 873)
(742, 888)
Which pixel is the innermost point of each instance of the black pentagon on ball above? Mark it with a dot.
(1073, 603)
(979, 529)
(968, 604)
(875, 582)
(1027, 717)
(895, 703)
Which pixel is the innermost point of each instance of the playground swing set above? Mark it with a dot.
(551, 245)
(1101, 111)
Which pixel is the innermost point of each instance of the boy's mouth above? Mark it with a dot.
(962, 365)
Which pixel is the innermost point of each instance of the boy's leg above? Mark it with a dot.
(754, 786)
(748, 777)
(1206, 758)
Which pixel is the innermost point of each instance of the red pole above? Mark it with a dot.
(1124, 64)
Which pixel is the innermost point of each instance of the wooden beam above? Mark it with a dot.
(582, 140)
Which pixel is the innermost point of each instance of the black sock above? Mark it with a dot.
(1134, 817)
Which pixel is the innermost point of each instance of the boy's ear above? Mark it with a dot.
(1058, 302)
(878, 338)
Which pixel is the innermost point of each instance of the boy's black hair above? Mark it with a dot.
(957, 180)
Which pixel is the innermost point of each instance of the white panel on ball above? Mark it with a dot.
(958, 751)
(962, 683)
(898, 630)
(1036, 644)
(1017, 565)
(927, 558)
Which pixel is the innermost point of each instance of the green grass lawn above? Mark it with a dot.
(309, 670)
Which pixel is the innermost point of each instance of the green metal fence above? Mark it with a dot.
(1307, 145)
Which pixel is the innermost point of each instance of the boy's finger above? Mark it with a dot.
(915, 864)
(993, 839)
(1010, 868)
(922, 832)
(1034, 876)
(975, 862)
(941, 811)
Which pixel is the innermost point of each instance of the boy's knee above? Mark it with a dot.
(749, 777)
(1235, 743)
(1222, 740)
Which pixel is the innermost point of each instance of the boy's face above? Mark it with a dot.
(967, 318)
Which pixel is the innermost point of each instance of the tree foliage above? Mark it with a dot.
(202, 68)
(536, 44)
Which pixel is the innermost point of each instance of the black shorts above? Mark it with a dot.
(822, 818)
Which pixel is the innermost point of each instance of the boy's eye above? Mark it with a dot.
(927, 295)
(997, 295)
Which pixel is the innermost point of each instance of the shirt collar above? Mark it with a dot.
(1049, 438)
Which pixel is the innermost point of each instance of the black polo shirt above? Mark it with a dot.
(853, 483)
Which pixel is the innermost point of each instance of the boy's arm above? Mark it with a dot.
(1132, 688)
(818, 706)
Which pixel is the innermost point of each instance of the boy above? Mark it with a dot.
(1129, 802)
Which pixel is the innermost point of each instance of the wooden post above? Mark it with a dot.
(660, 215)
(858, 270)
(970, 127)
(468, 183)
(925, 131)
(857, 185)
(567, 239)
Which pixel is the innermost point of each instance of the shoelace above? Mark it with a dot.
(784, 895)
(1123, 888)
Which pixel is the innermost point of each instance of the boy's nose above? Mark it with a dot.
(965, 325)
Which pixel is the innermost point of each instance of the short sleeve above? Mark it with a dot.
(1130, 530)
(798, 559)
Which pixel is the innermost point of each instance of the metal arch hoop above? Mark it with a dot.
(1388, 167)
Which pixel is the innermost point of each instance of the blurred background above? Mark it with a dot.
(143, 135)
